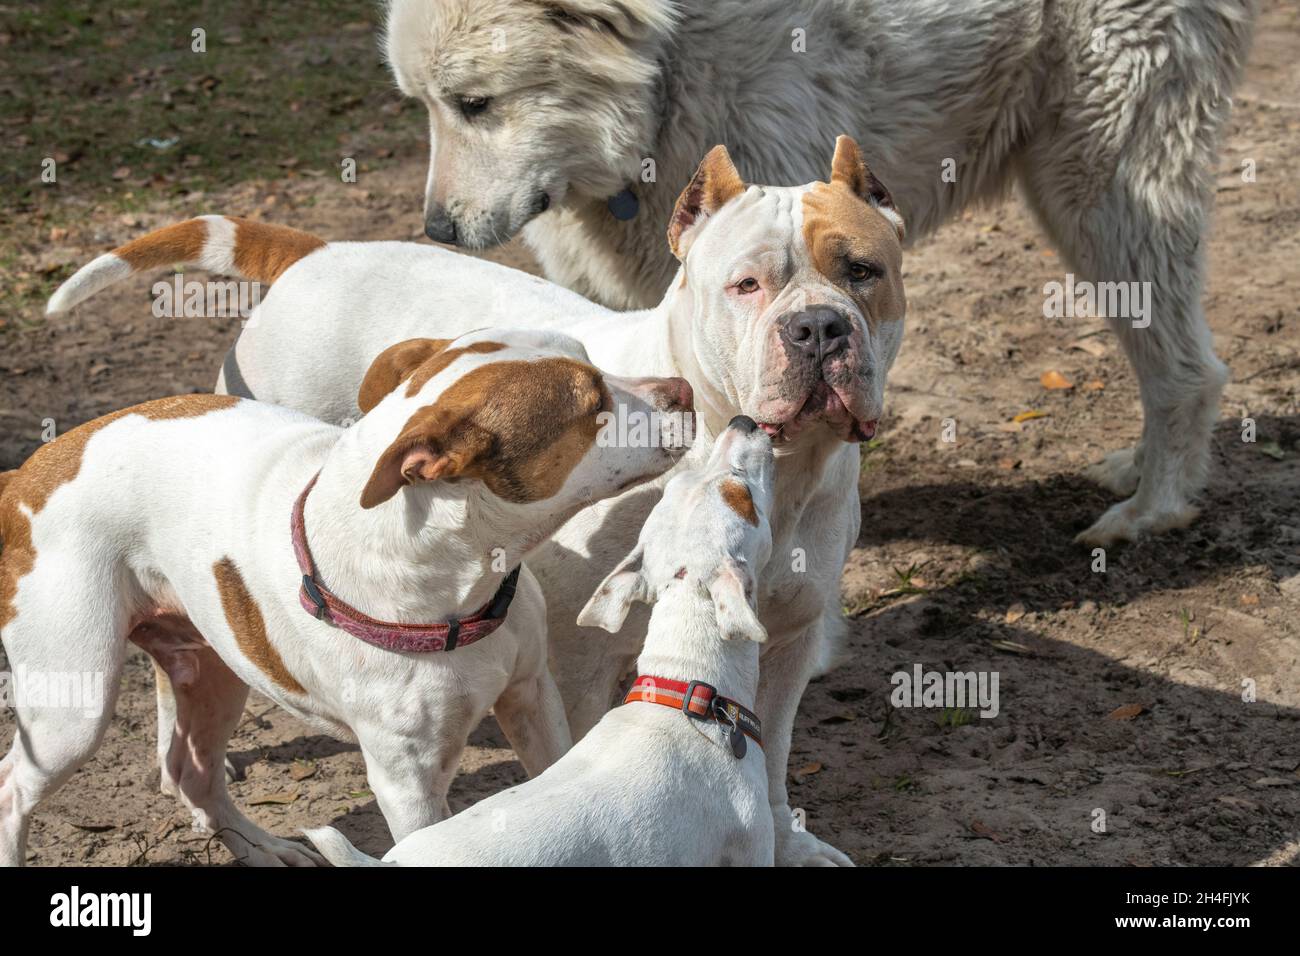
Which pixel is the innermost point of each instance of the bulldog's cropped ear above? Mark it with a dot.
(426, 450)
(608, 607)
(849, 168)
(730, 589)
(392, 366)
(715, 182)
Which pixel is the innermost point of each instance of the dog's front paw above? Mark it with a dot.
(801, 848)
(1118, 472)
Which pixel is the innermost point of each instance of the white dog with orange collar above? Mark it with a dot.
(651, 785)
(168, 525)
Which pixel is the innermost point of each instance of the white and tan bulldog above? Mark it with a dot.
(675, 776)
(361, 577)
(788, 307)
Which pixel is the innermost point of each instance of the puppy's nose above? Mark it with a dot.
(743, 424)
(819, 331)
(440, 227)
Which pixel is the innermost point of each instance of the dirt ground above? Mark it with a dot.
(965, 560)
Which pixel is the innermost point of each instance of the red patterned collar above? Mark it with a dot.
(700, 701)
(324, 605)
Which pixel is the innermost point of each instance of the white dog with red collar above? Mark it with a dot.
(168, 525)
(670, 778)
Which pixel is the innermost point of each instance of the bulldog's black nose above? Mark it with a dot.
(818, 331)
(440, 227)
(743, 423)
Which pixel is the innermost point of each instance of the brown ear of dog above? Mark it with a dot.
(424, 451)
(715, 182)
(848, 167)
(392, 366)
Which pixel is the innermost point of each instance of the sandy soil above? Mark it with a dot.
(965, 560)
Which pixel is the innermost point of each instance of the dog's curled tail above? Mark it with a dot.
(222, 244)
(334, 846)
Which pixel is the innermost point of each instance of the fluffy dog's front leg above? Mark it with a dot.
(783, 675)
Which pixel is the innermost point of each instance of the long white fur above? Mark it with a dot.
(1106, 113)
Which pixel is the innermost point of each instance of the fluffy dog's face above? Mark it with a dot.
(529, 101)
(797, 293)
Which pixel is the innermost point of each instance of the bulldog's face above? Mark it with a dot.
(797, 292)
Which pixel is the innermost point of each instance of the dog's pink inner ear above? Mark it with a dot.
(715, 182)
(421, 464)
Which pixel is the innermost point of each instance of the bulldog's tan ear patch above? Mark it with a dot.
(848, 167)
(392, 365)
(715, 183)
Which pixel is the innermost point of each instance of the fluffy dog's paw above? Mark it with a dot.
(1127, 522)
(1118, 472)
(801, 848)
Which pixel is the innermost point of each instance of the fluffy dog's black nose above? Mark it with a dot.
(743, 423)
(440, 227)
(819, 331)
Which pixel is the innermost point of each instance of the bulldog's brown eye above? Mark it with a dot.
(748, 285)
(473, 105)
(861, 271)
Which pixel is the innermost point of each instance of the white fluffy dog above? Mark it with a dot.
(577, 121)
(669, 778)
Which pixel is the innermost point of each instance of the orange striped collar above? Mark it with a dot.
(700, 701)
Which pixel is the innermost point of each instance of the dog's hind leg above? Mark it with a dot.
(66, 646)
(207, 703)
(1118, 174)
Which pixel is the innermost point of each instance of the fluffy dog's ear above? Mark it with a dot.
(608, 607)
(714, 183)
(392, 366)
(848, 167)
(730, 590)
(426, 450)
(625, 21)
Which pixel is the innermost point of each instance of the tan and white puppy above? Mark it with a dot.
(167, 525)
(788, 307)
(649, 786)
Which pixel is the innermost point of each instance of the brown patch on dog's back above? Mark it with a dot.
(264, 251)
(55, 464)
(182, 242)
(249, 627)
(839, 226)
(739, 500)
(520, 427)
(392, 365)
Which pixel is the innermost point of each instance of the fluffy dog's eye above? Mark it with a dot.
(748, 285)
(473, 105)
(861, 271)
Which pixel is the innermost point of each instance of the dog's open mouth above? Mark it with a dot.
(823, 404)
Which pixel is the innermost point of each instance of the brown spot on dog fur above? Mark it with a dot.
(249, 627)
(715, 182)
(739, 500)
(57, 463)
(436, 363)
(181, 242)
(519, 427)
(392, 365)
(263, 251)
(840, 228)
